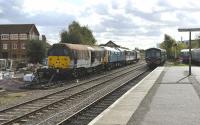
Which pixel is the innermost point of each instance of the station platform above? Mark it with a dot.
(167, 96)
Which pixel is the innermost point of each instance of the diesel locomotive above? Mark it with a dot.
(155, 57)
(78, 60)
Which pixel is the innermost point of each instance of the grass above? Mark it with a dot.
(10, 97)
(179, 64)
(175, 63)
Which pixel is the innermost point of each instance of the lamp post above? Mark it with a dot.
(190, 54)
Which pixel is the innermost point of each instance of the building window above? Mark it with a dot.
(14, 46)
(4, 36)
(23, 36)
(14, 56)
(23, 56)
(23, 46)
(5, 46)
(34, 37)
(14, 36)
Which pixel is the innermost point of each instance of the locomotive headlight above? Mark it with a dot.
(57, 70)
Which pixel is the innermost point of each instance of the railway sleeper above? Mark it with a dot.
(88, 114)
(100, 106)
(34, 105)
(49, 99)
(39, 113)
(21, 109)
(98, 109)
(4, 119)
(107, 103)
(31, 107)
(57, 97)
(82, 118)
(45, 103)
(24, 120)
(75, 123)
(71, 99)
(46, 110)
(6, 115)
(108, 100)
(91, 112)
(32, 116)
(56, 105)
(10, 112)
(51, 108)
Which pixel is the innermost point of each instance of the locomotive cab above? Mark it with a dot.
(155, 57)
(59, 57)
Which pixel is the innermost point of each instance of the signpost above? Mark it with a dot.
(190, 54)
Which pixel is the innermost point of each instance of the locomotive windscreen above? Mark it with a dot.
(153, 53)
(58, 51)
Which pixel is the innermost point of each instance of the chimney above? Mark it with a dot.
(44, 38)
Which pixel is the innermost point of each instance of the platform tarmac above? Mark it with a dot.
(167, 96)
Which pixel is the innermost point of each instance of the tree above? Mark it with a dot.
(180, 46)
(174, 48)
(35, 51)
(177, 47)
(77, 34)
(168, 44)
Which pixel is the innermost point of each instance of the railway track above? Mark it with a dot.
(22, 113)
(92, 110)
(46, 84)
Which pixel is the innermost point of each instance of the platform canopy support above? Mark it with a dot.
(190, 54)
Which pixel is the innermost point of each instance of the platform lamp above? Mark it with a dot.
(189, 30)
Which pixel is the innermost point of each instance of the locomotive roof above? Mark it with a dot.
(97, 48)
(81, 47)
(157, 49)
(76, 46)
(111, 49)
(186, 50)
(196, 49)
(121, 49)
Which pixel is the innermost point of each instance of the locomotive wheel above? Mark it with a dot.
(109, 67)
(75, 73)
(82, 72)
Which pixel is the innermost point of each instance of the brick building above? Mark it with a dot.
(13, 38)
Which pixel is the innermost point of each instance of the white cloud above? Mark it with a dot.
(59, 6)
(167, 16)
(131, 23)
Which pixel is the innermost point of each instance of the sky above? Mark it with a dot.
(129, 23)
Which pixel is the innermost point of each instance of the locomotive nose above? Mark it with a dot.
(60, 62)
